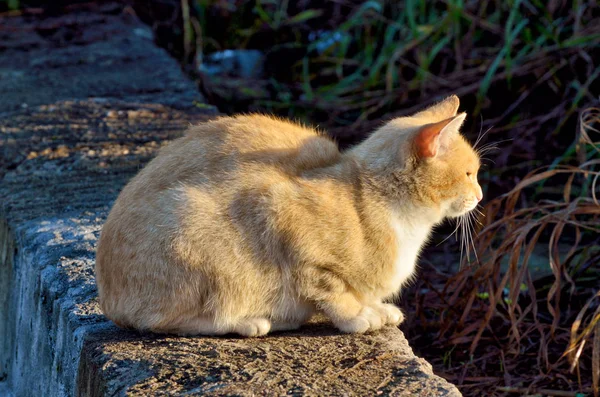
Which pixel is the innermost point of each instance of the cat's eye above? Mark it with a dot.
(469, 173)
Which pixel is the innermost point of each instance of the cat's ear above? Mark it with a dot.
(441, 111)
(435, 138)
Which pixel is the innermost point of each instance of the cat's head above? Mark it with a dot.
(426, 157)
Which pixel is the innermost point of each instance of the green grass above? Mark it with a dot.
(388, 55)
(9, 5)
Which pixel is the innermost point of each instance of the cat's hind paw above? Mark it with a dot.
(253, 327)
(367, 320)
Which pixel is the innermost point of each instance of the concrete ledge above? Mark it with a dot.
(54, 203)
(65, 152)
(315, 360)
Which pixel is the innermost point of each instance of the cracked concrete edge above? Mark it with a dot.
(316, 360)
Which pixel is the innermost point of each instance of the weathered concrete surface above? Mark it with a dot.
(63, 159)
(104, 53)
(315, 360)
(55, 202)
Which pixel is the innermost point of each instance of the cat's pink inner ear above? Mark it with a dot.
(427, 141)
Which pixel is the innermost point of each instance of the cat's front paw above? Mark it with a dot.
(367, 320)
(390, 313)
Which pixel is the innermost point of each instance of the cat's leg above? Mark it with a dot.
(392, 314)
(349, 315)
(332, 296)
(291, 312)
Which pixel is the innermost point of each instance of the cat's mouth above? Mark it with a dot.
(471, 205)
(462, 207)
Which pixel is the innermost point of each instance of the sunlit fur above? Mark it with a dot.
(250, 224)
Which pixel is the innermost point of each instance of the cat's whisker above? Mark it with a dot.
(483, 155)
(487, 159)
(459, 224)
(471, 228)
(476, 213)
(464, 248)
(492, 145)
(486, 150)
(451, 234)
(487, 145)
(476, 217)
(481, 135)
(504, 140)
(467, 246)
(466, 233)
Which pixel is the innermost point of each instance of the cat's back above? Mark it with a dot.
(253, 132)
(233, 148)
(245, 146)
(218, 159)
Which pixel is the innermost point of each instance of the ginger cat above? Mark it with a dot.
(251, 224)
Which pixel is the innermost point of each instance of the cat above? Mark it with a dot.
(251, 224)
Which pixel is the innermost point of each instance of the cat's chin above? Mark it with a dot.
(454, 215)
(457, 213)
(459, 209)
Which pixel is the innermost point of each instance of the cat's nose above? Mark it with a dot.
(479, 194)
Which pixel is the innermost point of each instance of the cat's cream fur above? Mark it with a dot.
(250, 224)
